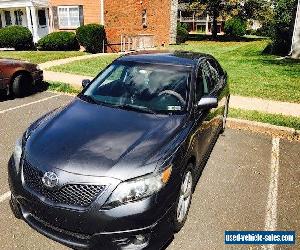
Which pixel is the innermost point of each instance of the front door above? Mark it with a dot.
(43, 28)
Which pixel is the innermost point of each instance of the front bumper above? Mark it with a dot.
(93, 228)
(37, 76)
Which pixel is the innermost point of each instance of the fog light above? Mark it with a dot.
(140, 239)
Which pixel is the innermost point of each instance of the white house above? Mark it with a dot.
(33, 14)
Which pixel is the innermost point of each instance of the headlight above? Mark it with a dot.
(139, 188)
(18, 153)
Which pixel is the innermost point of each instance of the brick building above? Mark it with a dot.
(129, 24)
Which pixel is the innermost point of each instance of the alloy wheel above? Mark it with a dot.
(184, 197)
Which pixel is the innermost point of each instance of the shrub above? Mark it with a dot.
(59, 41)
(182, 33)
(17, 37)
(235, 27)
(283, 26)
(91, 37)
(264, 30)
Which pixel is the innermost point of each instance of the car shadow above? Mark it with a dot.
(38, 88)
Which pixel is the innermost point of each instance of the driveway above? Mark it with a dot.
(251, 182)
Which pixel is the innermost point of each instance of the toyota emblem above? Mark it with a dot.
(50, 179)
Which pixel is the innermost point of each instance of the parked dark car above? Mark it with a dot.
(18, 77)
(116, 168)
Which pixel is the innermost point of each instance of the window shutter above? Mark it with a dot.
(55, 18)
(81, 17)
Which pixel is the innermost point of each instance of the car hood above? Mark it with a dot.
(95, 140)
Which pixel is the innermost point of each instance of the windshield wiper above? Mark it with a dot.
(88, 99)
(136, 108)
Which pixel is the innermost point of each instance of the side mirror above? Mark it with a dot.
(207, 102)
(85, 82)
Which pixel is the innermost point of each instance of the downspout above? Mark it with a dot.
(102, 12)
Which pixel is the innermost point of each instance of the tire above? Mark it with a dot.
(21, 85)
(186, 188)
(225, 114)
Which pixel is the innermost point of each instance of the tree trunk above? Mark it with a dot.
(214, 29)
(296, 36)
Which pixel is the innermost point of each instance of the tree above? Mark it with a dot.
(283, 26)
(216, 9)
(244, 9)
(260, 10)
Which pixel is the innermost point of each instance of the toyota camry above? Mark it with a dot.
(116, 168)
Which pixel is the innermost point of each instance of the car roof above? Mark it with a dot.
(176, 57)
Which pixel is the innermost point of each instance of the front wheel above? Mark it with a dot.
(184, 199)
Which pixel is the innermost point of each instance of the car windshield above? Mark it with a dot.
(152, 88)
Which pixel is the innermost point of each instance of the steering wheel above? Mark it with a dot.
(173, 93)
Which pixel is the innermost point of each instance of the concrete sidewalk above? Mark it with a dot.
(73, 80)
(245, 103)
(267, 106)
(49, 64)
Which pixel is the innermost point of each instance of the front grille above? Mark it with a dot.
(70, 194)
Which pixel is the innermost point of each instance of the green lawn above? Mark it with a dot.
(250, 72)
(275, 119)
(40, 56)
(87, 67)
(63, 87)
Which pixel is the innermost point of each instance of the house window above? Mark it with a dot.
(68, 17)
(42, 17)
(7, 18)
(144, 18)
(18, 17)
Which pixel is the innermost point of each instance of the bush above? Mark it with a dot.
(182, 33)
(283, 26)
(264, 30)
(17, 37)
(235, 27)
(59, 41)
(91, 37)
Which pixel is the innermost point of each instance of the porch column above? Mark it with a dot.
(206, 25)
(29, 23)
(50, 20)
(34, 24)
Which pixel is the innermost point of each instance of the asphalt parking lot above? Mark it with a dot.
(251, 182)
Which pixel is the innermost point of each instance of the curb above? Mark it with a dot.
(264, 128)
